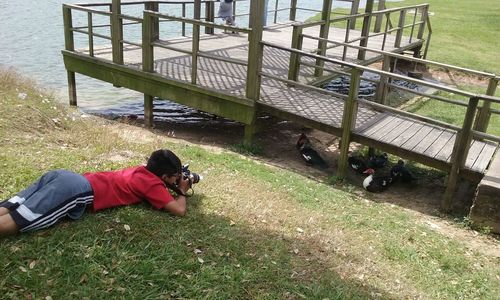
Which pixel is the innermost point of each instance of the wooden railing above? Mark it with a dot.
(416, 27)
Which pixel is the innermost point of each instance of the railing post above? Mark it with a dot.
(183, 15)
(294, 65)
(276, 11)
(354, 11)
(365, 31)
(90, 29)
(349, 120)
(154, 6)
(460, 152)
(293, 10)
(69, 44)
(323, 33)
(209, 16)
(423, 19)
(382, 88)
(484, 113)
(196, 42)
(117, 32)
(399, 32)
(255, 53)
(148, 62)
(380, 17)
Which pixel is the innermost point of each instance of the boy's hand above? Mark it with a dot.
(184, 185)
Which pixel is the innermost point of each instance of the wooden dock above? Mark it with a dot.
(255, 71)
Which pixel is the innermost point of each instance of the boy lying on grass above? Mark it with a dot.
(58, 194)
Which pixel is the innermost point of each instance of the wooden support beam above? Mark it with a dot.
(293, 10)
(196, 42)
(148, 33)
(323, 33)
(484, 113)
(365, 31)
(380, 17)
(148, 110)
(382, 87)
(72, 89)
(399, 32)
(354, 11)
(255, 54)
(424, 19)
(69, 44)
(294, 65)
(209, 16)
(117, 32)
(349, 120)
(154, 6)
(460, 152)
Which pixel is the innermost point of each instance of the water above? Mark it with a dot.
(31, 39)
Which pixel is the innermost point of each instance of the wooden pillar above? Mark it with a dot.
(380, 17)
(349, 120)
(294, 65)
(209, 16)
(154, 6)
(323, 33)
(69, 44)
(354, 11)
(459, 154)
(293, 10)
(382, 88)
(117, 32)
(423, 18)
(148, 62)
(196, 42)
(399, 32)
(484, 113)
(365, 31)
(255, 53)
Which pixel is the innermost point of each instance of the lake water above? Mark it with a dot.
(31, 39)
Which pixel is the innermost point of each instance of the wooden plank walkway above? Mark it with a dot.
(423, 142)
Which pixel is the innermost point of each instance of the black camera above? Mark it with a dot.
(192, 176)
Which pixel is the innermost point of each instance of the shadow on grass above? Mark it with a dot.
(203, 255)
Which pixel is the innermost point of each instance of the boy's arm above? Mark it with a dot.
(178, 206)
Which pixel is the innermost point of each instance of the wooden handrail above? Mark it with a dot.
(355, 66)
(199, 22)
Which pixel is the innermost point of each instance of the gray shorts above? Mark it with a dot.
(57, 194)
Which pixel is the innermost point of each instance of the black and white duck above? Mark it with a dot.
(357, 163)
(401, 173)
(310, 156)
(376, 184)
(378, 161)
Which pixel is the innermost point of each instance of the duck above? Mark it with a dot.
(357, 163)
(401, 173)
(310, 156)
(378, 161)
(376, 184)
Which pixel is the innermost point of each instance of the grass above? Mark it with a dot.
(252, 231)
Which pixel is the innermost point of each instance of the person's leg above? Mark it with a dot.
(7, 225)
(3, 211)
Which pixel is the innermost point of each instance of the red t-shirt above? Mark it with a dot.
(126, 187)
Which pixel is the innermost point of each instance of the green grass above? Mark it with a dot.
(252, 231)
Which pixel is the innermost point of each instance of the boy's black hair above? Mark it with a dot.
(164, 162)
